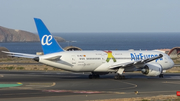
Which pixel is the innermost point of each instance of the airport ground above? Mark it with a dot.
(67, 86)
(23, 79)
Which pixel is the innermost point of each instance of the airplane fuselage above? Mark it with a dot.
(150, 63)
(101, 61)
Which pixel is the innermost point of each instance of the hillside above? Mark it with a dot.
(12, 35)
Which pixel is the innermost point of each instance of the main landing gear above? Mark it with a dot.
(119, 77)
(94, 76)
(161, 76)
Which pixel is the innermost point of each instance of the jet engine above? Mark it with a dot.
(152, 69)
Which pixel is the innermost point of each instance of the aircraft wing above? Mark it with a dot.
(20, 54)
(128, 64)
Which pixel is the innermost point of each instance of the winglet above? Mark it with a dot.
(48, 43)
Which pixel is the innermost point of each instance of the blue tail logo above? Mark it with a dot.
(48, 43)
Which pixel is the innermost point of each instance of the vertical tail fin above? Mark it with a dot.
(48, 43)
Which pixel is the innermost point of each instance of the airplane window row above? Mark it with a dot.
(90, 58)
(81, 58)
(99, 58)
(93, 58)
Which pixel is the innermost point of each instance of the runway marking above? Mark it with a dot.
(73, 91)
(41, 84)
(134, 92)
(54, 83)
(129, 84)
(85, 92)
(20, 93)
(19, 83)
(10, 85)
(30, 86)
(133, 85)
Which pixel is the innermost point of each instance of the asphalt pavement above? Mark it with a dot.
(69, 86)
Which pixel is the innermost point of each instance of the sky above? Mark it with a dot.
(92, 16)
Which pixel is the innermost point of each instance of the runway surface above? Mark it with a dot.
(67, 86)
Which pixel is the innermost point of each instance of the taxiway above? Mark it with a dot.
(67, 86)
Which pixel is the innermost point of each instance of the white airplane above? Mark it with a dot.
(151, 63)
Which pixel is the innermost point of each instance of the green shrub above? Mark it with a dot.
(20, 68)
(45, 68)
(145, 100)
(9, 68)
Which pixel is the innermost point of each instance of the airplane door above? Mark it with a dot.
(73, 59)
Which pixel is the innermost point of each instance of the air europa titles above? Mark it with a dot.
(140, 56)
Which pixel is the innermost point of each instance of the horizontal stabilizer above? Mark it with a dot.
(20, 54)
(55, 58)
(58, 60)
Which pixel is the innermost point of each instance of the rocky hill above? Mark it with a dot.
(12, 35)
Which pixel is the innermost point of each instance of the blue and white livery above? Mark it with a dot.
(150, 63)
(49, 44)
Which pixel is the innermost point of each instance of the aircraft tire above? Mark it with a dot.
(97, 76)
(94, 76)
(90, 76)
(116, 77)
(123, 77)
(119, 77)
(161, 76)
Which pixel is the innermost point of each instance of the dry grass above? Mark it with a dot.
(28, 66)
(16, 60)
(174, 70)
(176, 60)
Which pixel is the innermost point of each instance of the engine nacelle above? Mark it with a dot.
(152, 69)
